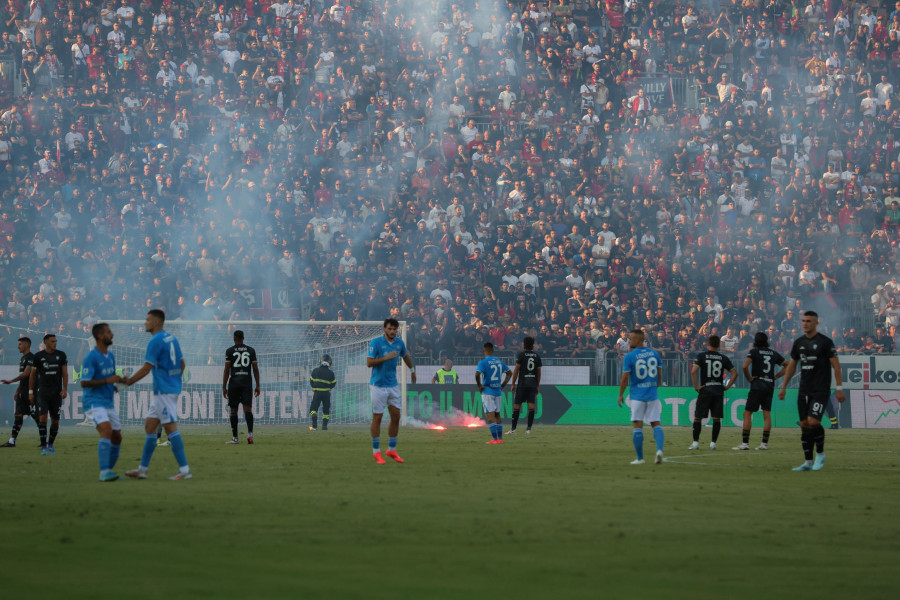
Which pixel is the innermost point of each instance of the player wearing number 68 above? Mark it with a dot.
(641, 369)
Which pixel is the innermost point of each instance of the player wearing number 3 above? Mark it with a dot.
(815, 353)
(164, 358)
(641, 369)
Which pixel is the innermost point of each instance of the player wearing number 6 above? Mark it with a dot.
(641, 369)
(164, 358)
(815, 353)
(712, 366)
(241, 371)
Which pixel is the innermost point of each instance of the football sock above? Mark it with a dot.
(493, 428)
(149, 447)
(325, 419)
(659, 436)
(637, 437)
(499, 431)
(376, 445)
(806, 440)
(103, 448)
(515, 418)
(697, 427)
(42, 431)
(178, 449)
(54, 431)
(234, 422)
(819, 437)
(114, 454)
(530, 418)
(717, 427)
(248, 418)
(392, 444)
(745, 436)
(314, 418)
(766, 433)
(17, 426)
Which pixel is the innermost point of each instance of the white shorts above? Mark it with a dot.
(101, 414)
(164, 407)
(646, 411)
(384, 396)
(490, 403)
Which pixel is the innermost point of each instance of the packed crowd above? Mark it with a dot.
(480, 169)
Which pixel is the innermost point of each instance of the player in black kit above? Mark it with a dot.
(237, 384)
(712, 367)
(322, 381)
(22, 406)
(47, 388)
(818, 360)
(761, 370)
(526, 382)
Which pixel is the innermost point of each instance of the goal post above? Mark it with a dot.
(286, 351)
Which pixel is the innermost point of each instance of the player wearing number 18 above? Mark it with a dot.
(241, 371)
(818, 360)
(641, 370)
(711, 366)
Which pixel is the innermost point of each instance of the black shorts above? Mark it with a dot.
(757, 399)
(23, 406)
(239, 394)
(48, 404)
(525, 395)
(709, 401)
(812, 404)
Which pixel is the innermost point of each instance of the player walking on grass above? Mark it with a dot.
(22, 406)
(815, 353)
(641, 368)
(98, 378)
(526, 380)
(488, 375)
(712, 366)
(760, 370)
(164, 359)
(241, 370)
(383, 356)
(322, 381)
(47, 385)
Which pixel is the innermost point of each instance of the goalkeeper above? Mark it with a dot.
(322, 381)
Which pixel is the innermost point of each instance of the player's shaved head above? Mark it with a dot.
(157, 314)
(25, 340)
(714, 341)
(238, 334)
(97, 330)
(49, 336)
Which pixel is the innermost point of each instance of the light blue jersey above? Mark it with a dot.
(643, 365)
(164, 354)
(492, 370)
(97, 365)
(385, 374)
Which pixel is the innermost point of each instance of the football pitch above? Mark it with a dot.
(557, 514)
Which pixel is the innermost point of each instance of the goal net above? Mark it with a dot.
(286, 352)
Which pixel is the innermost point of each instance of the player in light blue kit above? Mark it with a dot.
(164, 358)
(642, 368)
(385, 391)
(98, 378)
(488, 375)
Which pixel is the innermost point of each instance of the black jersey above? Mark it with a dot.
(714, 366)
(529, 363)
(27, 361)
(813, 356)
(322, 379)
(764, 363)
(240, 359)
(49, 369)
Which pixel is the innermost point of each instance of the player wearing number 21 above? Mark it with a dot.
(815, 353)
(488, 376)
(711, 366)
(641, 369)
(241, 370)
(164, 358)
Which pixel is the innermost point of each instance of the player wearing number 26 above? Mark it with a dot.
(817, 357)
(241, 370)
(641, 368)
(164, 358)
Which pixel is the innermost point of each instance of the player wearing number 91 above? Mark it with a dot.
(641, 369)
(164, 358)
(818, 359)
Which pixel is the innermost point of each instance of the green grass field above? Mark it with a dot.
(559, 514)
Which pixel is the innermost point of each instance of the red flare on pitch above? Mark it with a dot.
(476, 424)
(438, 427)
